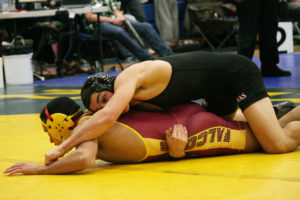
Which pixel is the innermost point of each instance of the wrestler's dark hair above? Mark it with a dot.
(63, 105)
(96, 83)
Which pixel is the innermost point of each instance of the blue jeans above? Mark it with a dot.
(145, 30)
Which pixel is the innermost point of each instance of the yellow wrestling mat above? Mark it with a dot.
(245, 176)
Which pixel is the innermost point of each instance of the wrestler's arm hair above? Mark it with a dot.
(82, 158)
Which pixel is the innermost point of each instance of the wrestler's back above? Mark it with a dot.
(206, 75)
(140, 135)
(128, 140)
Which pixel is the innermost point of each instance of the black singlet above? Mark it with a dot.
(219, 78)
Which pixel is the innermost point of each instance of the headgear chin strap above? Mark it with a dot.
(59, 125)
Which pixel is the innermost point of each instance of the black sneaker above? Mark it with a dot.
(274, 72)
(283, 107)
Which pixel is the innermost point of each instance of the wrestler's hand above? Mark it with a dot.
(176, 139)
(24, 168)
(53, 155)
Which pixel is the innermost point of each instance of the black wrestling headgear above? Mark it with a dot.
(96, 83)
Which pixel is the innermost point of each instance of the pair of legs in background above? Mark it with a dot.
(147, 33)
(260, 17)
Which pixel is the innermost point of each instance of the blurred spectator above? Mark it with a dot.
(135, 8)
(166, 19)
(112, 26)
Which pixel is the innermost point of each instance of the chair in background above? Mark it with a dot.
(66, 41)
(45, 36)
(90, 46)
(90, 50)
(214, 21)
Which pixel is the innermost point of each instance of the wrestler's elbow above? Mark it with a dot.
(106, 119)
(85, 161)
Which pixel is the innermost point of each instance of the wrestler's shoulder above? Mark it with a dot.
(157, 67)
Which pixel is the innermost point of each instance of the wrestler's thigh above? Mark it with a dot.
(265, 126)
(252, 144)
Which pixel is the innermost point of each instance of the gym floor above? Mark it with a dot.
(243, 176)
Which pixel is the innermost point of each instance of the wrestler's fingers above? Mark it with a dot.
(185, 135)
(12, 167)
(10, 171)
(186, 132)
(7, 171)
(15, 172)
(183, 132)
(175, 130)
(180, 129)
(20, 164)
(168, 132)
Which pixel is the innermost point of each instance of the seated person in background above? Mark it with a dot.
(185, 130)
(112, 26)
(135, 8)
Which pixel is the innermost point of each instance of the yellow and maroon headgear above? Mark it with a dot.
(60, 125)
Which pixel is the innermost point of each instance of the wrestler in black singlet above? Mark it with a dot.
(225, 81)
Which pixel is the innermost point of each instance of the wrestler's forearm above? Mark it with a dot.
(64, 165)
(82, 158)
(91, 129)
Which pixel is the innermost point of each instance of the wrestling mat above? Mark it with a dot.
(240, 177)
